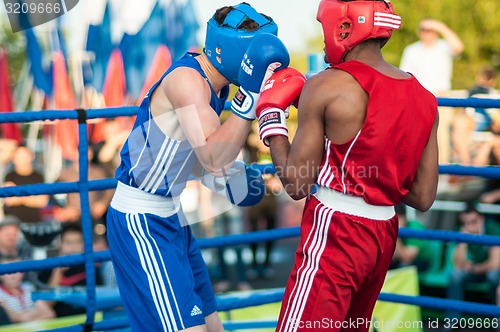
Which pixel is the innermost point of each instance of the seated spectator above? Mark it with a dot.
(489, 154)
(10, 240)
(105, 269)
(485, 82)
(71, 243)
(15, 297)
(229, 222)
(29, 208)
(263, 216)
(472, 262)
(410, 251)
(107, 151)
(7, 149)
(98, 200)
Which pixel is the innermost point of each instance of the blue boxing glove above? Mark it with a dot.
(241, 184)
(265, 54)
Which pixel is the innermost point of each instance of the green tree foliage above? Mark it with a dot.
(15, 45)
(477, 22)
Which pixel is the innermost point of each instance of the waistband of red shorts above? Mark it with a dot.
(353, 205)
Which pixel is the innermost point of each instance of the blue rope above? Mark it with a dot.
(239, 239)
(30, 116)
(110, 183)
(52, 262)
(448, 236)
(243, 300)
(55, 188)
(469, 102)
(443, 304)
(492, 172)
(254, 237)
(111, 112)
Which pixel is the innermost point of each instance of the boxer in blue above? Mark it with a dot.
(162, 277)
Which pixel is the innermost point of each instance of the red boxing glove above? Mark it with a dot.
(281, 90)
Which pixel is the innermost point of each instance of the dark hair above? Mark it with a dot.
(71, 227)
(488, 73)
(248, 24)
(470, 206)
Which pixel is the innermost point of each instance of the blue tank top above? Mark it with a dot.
(152, 161)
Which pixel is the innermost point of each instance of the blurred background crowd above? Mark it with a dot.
(38, 73)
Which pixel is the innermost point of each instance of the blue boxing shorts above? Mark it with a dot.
(163, 280)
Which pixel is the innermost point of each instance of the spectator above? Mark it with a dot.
(263, 216)
(218, 218)
(431, 59)
(463, 141)
(71, 243)
(28, 209)
(15, 297)
(489, 154)
(105, 269)
(229, 222)
(472, 262)
(107, 151)
(99, 200)
(10, 242)
(7, 149)
(410, 251)
(485, 82)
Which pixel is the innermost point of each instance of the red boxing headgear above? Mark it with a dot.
(347, 24)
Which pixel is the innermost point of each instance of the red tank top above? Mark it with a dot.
(380, 162)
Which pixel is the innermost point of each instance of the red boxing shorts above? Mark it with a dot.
(340, 265)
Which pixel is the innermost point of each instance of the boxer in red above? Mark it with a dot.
(366, 139)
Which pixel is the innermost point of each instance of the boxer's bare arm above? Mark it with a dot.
(297, 163)
(185, 92)
(424, 187)
(332, 104)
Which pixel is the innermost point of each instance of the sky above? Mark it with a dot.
(296, 19)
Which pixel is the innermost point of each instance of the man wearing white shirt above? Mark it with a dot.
(430, 59)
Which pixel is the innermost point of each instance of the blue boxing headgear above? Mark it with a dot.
(226, 44)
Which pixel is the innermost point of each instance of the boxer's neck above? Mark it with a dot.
(214, 77)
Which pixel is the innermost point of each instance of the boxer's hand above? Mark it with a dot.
(264, 55)
(241, 184)
(282, 89)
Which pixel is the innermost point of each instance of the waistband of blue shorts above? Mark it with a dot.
(353, 205)
(128, 199)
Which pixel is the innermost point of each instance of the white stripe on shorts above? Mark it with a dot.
(160, 299)
(153, 241)
(313, 249)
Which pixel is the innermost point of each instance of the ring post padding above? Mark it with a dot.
(88, 253)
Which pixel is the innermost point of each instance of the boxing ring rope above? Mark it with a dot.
(226, 302)
(240, 239)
